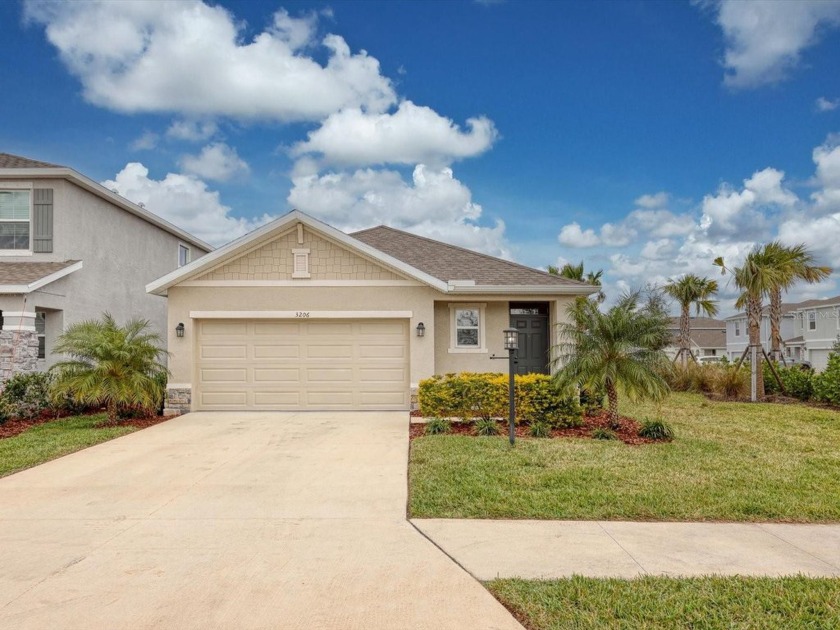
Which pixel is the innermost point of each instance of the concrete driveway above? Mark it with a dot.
(223, 520)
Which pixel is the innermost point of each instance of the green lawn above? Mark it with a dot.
(659, 602)
(730, 462)
(47, 441)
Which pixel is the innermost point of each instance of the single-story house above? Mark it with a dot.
(708, 337)
(298, 315)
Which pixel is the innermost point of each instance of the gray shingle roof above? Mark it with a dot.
(28, 272)
(7, 160)
(449, 262)
(700, 322)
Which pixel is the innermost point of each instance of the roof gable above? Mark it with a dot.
(7, 160)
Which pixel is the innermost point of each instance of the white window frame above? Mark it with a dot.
(14, 187)
(186, 248)
(837, 316)
(300, 256)
(812, 319)
(737, 324)
(454, 348)
(41, 315)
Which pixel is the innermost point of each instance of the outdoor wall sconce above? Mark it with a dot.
(179, 330)
(421, 329)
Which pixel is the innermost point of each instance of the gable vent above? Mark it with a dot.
(300, 267)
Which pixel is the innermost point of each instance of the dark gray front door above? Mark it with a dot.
(533, 343)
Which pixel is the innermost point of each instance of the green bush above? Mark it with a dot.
(438, 426)
(539, 430)
(592, 401)
(656, 430)
(604, 434)
(826, 384)
(798, 381)
(486, 427)
(5, 411)
(485, 395)
(28, 394)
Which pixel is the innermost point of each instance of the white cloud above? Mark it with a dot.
(617, 235)
(656, 200)
(662, 223)
(572, 235)
(827, 104)
(765, 38)
(193, 59)
(192, 130)
(411, 135)
(146, 142)
(827, 159)
(217, 162)
(185, 201)
(433, 204)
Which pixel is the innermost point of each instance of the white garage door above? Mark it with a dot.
(287, 365)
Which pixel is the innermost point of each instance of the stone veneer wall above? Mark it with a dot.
(18, 352)
(178, 400)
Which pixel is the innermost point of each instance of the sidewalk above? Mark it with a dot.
(554, 549)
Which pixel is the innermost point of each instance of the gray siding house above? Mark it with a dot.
(738, 337)
(71, 249)
(816, 329)
(708, 337)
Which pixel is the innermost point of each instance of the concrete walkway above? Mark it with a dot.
(554, 549)
(255, 520)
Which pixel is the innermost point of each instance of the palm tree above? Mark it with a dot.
(109, 364)
(576, 272)
(619, 349)
(794, 263)
(688, 290)
(756, 277)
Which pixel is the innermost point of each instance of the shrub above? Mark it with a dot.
(732, 381)
(539, 430)
(592, 401)
(827, 383)
(438, 426)
(656, 430)
(27, 394)
(474, 395)
(702, 378)
(798, 382)
(604, 434)
(486, 426)
(5, 411)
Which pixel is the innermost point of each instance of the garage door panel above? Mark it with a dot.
(285, 376)
(214, 351)
(224, 375)
(289, 365)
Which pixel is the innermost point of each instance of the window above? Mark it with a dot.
(184, 255)
(14, 219)
(467, 328)
(737, 328)
(300, 263)
(41, 331)
(812, 320)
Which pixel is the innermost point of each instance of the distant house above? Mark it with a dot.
(708, 337)
(71, 249)
(816, 329)
(809, 330)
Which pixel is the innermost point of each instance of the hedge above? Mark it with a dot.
(485, 395)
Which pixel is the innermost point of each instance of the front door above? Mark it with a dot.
(532, 356)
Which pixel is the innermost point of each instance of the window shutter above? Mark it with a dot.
(42, 221)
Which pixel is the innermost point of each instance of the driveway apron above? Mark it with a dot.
(231, 520)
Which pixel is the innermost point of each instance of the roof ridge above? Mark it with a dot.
(470, 251)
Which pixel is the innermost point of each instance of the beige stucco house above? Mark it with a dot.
(299, 315)
(71, 249)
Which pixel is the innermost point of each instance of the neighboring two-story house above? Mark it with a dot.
(70, 249)
(816, 329)
(708, 337)
(738, 337)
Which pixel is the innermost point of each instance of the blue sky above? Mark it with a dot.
(644, 138)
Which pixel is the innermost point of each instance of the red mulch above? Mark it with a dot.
(628, 431)
(15, 426)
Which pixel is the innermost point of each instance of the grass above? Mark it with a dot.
(47, 441)
(728, 462)
(661, 602)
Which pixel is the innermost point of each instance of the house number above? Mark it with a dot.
(300, 314)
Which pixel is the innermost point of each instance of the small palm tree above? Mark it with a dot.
(576, 272)
(793, 263)
(110, 364)
(756, 277)
(690, 290)
(619, 349)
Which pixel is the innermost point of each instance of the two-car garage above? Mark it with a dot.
(301, 364)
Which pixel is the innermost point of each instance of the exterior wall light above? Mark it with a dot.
(511, 339)
(421, 329)
(179, 330)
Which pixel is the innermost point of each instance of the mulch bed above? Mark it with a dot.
(628, 431)
(16, 426)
